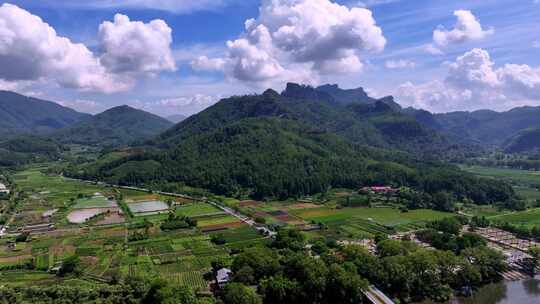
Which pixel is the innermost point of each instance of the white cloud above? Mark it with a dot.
(84, 105)
(136, 47)
(399, 64)
(31, 50)
(473, 82)
(185, 105)
(299, 40)
(433, 50)
(204, 63)
(467, 28)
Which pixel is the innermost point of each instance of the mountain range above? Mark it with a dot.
(301, 141)
(352, 114)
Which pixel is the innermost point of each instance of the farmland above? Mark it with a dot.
(526, 183)
(527, 218)
(179, 256)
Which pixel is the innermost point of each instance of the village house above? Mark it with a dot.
(3, 189)
(379, 190)
(223, 276)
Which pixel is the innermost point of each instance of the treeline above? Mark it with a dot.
(132, 290)
(271, 158)
(285, 273)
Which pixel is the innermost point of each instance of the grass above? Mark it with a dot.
(382, 216)
(528, 218)
(196, 209)
(216, 220)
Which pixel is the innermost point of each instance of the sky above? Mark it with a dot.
(180, 56)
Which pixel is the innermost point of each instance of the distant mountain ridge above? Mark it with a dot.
(117, 126)
(485, 127)
(27, 115)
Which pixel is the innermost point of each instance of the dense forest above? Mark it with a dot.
(252, 146)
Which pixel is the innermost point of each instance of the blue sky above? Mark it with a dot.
(486, 56)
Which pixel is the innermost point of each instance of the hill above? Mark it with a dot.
(292, 144)
(117, 126)
(22, 149)
(21, 114)
(525, 141)
(485, 127)
(369, 121)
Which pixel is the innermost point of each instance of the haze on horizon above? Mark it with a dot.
(179, 57)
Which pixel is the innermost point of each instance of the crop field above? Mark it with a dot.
(526, 183)
(366, 222)
(148, 207)
(529, 217)
(94, 202)
(56, 190)
(197, 209)
(513, 175)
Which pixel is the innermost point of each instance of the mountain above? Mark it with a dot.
(21, 114)
(525, 141)
(291, 144)
(22, 149)
(485, 127)
(176, 118)
(117, 126)
(369, 122)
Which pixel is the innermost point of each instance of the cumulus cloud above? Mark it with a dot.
(30, 49)
(300, 40)
(474, 82)
(203, 63)
(185, 105)
(467, 28)
(136, 47)
(399, 64)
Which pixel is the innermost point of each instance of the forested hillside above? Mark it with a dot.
(21, 114)
(271, 145)
(525, 141)
(485, 127)
(117, 126)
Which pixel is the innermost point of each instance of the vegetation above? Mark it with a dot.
(114, 127)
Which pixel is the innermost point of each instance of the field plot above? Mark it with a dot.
(148, 208)
(56, 190)
(197, 209)
(365, 222)
(526, 183)
(97, 201)
(529, 218)
(80, 216)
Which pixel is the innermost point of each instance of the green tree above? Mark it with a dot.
(236, 293)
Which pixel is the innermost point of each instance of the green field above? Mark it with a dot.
(528, 218)
(56, 190)
(526, 183)
(367, 222)
(515, 176)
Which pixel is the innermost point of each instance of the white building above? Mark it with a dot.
(223, 276)
(4, 189)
